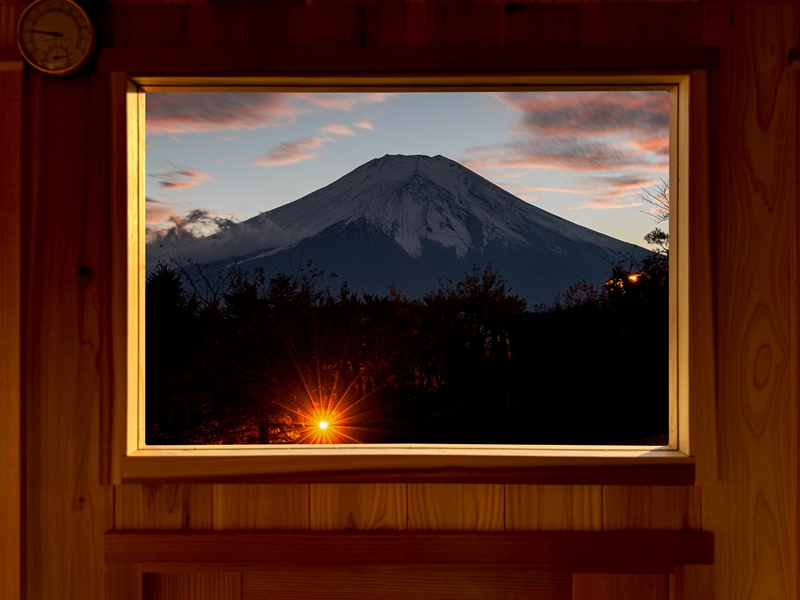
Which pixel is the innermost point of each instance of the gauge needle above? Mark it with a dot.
(53, 33)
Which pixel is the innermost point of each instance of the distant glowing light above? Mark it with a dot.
(634, 277)
(322, 424)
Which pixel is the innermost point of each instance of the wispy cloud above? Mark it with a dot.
(344, 102)
(173, 112)
(605, 202)
(203, 112)
(584, 135)
(181, 179)
(364, 125)
(287, 153)
(336, 129)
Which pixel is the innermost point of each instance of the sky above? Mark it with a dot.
(584, 156)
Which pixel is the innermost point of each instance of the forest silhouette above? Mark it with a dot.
(236, 358)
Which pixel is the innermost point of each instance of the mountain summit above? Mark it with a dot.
(410, 220)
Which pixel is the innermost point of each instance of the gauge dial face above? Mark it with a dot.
(55, 36)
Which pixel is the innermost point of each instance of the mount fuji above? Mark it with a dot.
(410, 220)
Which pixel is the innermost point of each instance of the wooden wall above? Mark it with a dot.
(55, 300)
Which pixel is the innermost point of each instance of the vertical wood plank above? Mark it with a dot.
(192, 586)
(123, 581)
(64, 353)
(386, 25)
(554, 507)
(620, 587)
(453, 506)
(421, 25)
(10, 340)
(644, 507)
(262, 506)
(358, 506)
(640, 24)
(652, 507)
(325, 26)
(698, 429)
(752, 508)
(150, 26)
(141, 506)
(692, 582)
(543, 25)
(9, 16)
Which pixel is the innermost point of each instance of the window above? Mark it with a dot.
(289, 422)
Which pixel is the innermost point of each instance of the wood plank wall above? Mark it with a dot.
(10, 312)
(65, 317)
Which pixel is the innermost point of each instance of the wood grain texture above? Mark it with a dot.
(692, 582)
(65, 323)
(556, 507)
(123, 581)
(752, 509)
(192, 586)
(620, 587)
(640, 25)
(138, 506)
(572, 551)
(358, 506)
(647, 507)
(466, 507)
(412, 465)
(9, 16)
(643, 508)
(698, 352)
(402, 583)
(170, 61)
(10, 334)
(262, 506)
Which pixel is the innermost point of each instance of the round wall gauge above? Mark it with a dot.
(55, 36)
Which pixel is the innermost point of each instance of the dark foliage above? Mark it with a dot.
(234, 358)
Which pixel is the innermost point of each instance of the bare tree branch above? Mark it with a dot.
(658, 199)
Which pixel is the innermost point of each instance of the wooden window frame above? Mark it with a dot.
(691, 455)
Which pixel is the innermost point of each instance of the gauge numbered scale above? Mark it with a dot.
(55, 36)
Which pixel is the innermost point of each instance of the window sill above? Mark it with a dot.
(610, 465)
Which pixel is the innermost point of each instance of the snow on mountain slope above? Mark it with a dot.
(416, 198)
(411, 221)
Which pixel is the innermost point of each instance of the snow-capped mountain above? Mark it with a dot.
(410, 220)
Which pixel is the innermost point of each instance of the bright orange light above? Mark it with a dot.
(322, 424)
(634, 277)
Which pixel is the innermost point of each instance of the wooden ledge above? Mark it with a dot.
(552, 551)
(199, 62)
(432, 465)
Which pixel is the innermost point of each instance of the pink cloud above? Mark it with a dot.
(200, 112)
(364, 125)
(287, 153)
(181, 179)
(544, 188)
(157, 212)
(212, 111)
(344, 102)
(611, 144)
(337, 129)
(594, 113)
(604, 203)
(582, 131)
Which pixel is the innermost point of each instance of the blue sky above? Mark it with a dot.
(584, 156)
